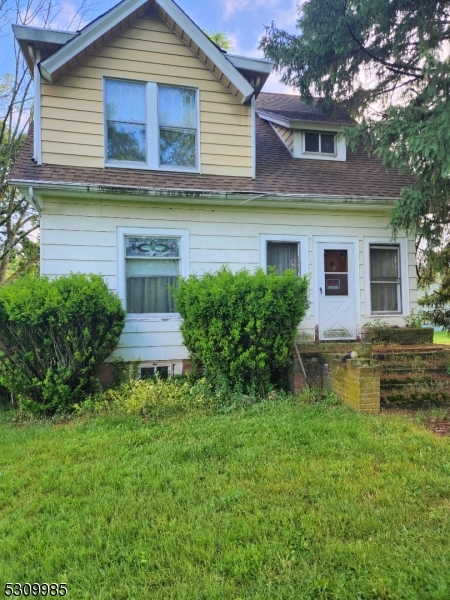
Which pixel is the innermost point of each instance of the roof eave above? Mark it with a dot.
(51, 67)
(235, 197)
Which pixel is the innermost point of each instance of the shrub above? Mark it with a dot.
(54, 334)
(241, 326)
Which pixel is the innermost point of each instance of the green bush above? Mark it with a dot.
(54, 334)
(241, 326)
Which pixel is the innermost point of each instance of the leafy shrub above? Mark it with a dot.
(54, 334)
(241, 326)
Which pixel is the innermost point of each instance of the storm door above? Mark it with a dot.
(337, 303)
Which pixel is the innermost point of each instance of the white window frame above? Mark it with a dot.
(402, 245)
(152, 130)
(320, 153)
(301, 240)
(175, 366)
(340, 148)
(122, 232)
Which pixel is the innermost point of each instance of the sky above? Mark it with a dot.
(242, 20)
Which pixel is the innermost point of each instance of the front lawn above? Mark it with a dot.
(441, 337)
(280, 500)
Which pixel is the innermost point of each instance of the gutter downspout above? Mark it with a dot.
(34, 201)
(253, 137)
(36, 56)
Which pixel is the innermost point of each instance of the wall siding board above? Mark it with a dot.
(147, 50)
(218, 235)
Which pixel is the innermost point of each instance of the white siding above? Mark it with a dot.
(80, 235)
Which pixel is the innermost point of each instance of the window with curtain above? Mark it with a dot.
(152, 266)
(283, 256)
(385, 280)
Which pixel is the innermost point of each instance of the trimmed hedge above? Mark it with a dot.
(241, 326)
(54, 334)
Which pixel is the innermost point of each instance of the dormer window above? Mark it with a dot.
(320, 143)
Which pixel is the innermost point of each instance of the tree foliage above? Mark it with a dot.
(19, 248)
(221, 39)
(388, 64)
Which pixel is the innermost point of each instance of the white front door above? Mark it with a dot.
(337, 302)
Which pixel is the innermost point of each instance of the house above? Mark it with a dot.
(155, 154)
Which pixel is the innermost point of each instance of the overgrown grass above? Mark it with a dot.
(280, 500)
(441, 337)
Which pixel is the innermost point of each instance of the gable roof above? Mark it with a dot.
(289, 110)
(278, 175)
(243, 77)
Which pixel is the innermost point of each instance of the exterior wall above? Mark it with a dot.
(287, 135)
(81, 235)
(72, 108)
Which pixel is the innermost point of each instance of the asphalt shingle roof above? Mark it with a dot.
(277, 172)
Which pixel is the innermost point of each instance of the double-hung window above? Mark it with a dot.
(385, 278)
(152, 267)
(152, 126)
(283, 256)
(282, 252)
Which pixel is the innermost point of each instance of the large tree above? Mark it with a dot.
(19, 249)
(388, 62)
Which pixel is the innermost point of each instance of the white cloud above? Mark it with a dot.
(67, 16)
(234, 6)
(274, 85)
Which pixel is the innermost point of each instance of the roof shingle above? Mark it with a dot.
(277, 172)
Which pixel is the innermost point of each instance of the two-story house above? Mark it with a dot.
(155, 154)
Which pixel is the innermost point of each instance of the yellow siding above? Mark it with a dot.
(286, 135)
(72, 108)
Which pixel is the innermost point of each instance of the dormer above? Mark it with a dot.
(303, 128)
(142, 87)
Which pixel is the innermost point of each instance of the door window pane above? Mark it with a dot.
(385, 279)
(336, 272)
(125, 115)
(283, 256)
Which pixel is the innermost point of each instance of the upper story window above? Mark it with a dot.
(151, 126)
(318, 145)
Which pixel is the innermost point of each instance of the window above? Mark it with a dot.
(283, 256)
(152, 265)
(321, 143)
(125, 121)
(177, 126)
(385, 278)
(151, 126)
(336, 272)
(284, 252)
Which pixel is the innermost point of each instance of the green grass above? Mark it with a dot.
(441, 337)
(277, 501)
